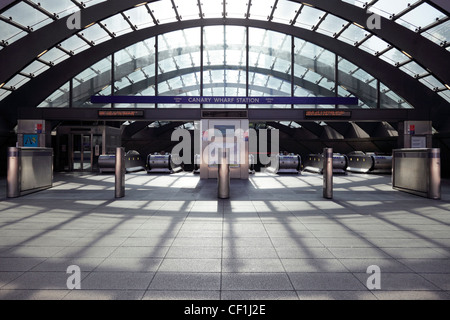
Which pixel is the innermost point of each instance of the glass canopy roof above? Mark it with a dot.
(176, 64)
(25, 17)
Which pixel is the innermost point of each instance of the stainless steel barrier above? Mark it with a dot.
(223, 179)
(328, 173)
(107, 163)
(120, 171)
(29, 170)
(417, 171)
(134, 162)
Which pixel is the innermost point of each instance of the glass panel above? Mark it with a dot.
(89, 3)
(212, 8)
(140, 17)
(439, 34)
(353, 34)
(285, 12)
(163, 11)
(314, 72)
(225, 60)
(117, 25)
(9, 33)
(309, 17)
(62, 8)
(389, 8)
(179, 64)
(374, 45)
(4, 93)
(268, 86)
(270, 50)
(237, 8)
(413, 69)
(390, 100)
(188, 9)
(58, 99)
(358, 3)
(420, 17)
(54, 56)
(314, 58)
(358, 82)
(90, 82)
(35, 68)
(134, 71)
(432, 83)
(262, 10)
(394, 56)
(75, 44)
(17, 81)
(95, 34)
(445, 95)
(331, 25)
(27, 16)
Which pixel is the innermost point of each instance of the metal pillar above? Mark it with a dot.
(13, 184)
(223, 179)
(328, 173)
(120, 172)
(434, 156)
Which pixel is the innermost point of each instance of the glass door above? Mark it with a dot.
(77, 153)
(87, 153)
(81, 152)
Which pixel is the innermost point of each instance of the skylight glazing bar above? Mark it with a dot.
(175, 8)
(320, 21)
(155, 21)
(132, 26)
(294, 21)
(407, 10)
(273, 10)
(15, 24)
(199, 4)
(42, 10)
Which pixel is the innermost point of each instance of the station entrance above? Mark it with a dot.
(78, 148)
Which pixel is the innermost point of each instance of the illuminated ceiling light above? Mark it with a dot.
(307, 4)
(42, 53)
(446, 85)
(407, 54)
(89, 25)
(358, 25)
(141, 4)
(1, 85)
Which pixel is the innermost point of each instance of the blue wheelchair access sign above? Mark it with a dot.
(30, 140)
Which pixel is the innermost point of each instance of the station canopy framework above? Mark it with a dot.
(388, 54)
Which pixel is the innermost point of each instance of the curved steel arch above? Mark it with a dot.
(38, 89)
(19, 54)
(424, 51)
(145, 83)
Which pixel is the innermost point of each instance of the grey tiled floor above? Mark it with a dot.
(275, 238)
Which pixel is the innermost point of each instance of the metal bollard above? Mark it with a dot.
(13, 184)
(328, 173)
(120, 173)
(434, 156)
(223, 179)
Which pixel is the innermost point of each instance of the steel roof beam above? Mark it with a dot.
(39, 88)
(19, 54)
(425, 52)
